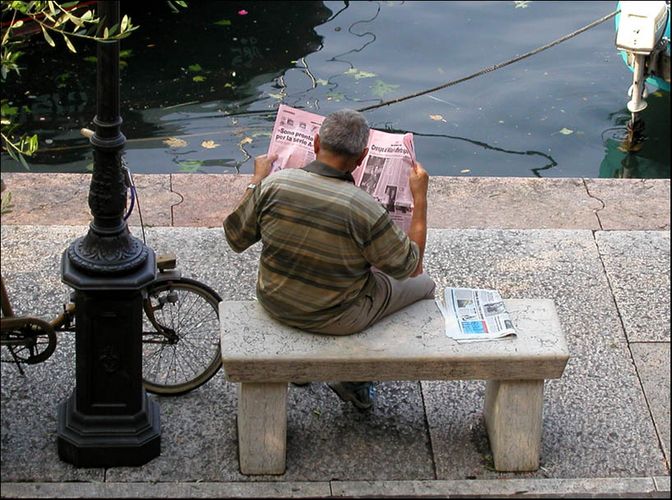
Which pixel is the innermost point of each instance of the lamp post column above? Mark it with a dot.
(108, 420)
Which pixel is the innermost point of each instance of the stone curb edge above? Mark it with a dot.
(637, 487)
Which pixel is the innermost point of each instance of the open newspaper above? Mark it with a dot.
(383, 174)
(474, 314)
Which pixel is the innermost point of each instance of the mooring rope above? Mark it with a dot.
(494, 67)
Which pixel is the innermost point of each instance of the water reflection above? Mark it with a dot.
(200, 88)
(651, 158)
(208, 60)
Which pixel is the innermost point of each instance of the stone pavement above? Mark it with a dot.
(599, 248)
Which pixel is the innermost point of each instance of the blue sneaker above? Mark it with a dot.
(360, 394)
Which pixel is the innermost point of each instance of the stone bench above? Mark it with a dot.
(263, 356)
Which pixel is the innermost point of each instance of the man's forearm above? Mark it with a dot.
(418, 232)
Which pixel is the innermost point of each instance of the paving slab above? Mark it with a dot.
(632, 203)
(596, 423)
(62, 199)
(390, 443)
(167, 490)
(652, 360)
(514, 488)
(638, 267)
(208, 199)
(204, 200)
(510, 203)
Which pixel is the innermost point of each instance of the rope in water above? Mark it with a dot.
(494, 67)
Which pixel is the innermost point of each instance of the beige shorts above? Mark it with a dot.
(388, 296)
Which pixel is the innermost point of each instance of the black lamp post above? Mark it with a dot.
(108, 420)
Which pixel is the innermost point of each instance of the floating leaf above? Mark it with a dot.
(246, 140)
(359, 74)
(194, 68)
(521, 4)
(275, 96)
(199, 78)
(189, 166)
(437, 118)
(320, 81)
(223, 22)
(174, 142)
(381, 88)
(465, 170)
(565, 131)
(209, 144)
(335, 96)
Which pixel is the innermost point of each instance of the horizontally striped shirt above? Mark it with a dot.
(320, 236)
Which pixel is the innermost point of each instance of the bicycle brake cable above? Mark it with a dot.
(135, 199)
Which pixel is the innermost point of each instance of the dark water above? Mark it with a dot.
(199, 87)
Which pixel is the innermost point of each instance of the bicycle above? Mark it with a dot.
(180, 337)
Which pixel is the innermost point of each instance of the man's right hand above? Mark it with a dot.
(418, 182)
(262, 167)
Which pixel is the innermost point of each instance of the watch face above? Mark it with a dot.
(251, 186)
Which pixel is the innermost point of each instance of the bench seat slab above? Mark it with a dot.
(407, 345)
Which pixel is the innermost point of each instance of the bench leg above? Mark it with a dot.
(513, 417)
(262, 428)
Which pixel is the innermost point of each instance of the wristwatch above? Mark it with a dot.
(252, 186)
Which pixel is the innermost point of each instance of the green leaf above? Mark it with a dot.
(124, 23)
(380, 88)
(223, 22)
(335, 96)
(91, 59)
(199, 78)
(190, 166)
(106, 33)
(359, 74)
(48, 38)
(194, 68)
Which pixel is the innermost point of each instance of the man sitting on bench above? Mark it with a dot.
(332, 259)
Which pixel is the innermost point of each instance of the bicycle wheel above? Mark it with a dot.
(180, 342)
(28, 340)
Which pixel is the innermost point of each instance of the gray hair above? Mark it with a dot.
(344, 132)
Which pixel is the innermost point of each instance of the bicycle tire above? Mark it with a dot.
(180, 343)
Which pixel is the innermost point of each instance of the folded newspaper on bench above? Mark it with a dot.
(383, 173)
(475, 314)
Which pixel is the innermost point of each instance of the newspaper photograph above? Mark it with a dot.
(475, 314)
(384, 172)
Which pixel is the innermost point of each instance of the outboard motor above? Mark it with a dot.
(641, 33)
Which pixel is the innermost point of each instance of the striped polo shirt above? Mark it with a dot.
(320, 236)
